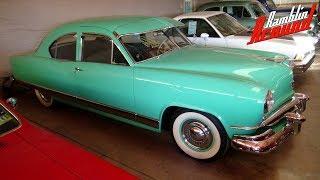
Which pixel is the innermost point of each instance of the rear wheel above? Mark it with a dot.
(44, 98)
(201, 136)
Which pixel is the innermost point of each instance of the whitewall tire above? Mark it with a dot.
(45, 99)
(199, 135)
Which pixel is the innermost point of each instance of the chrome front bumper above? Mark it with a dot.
(269, 139)
(301, 68)
(304, 66)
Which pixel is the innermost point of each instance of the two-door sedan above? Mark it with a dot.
(212, 28)
(145, 72)
(30, 152)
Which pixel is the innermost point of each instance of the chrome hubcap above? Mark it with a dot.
(196, 135)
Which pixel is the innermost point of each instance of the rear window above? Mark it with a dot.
(237, 11)
(64, 47)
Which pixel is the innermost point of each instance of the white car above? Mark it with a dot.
(215, 28)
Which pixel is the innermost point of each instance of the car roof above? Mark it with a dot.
(200, 14)
(123, 24)
(225, 2)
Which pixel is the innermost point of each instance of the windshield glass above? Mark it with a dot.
(7, 121)
(226, 25)
(150, 44)
(271, 4)
(258, 10)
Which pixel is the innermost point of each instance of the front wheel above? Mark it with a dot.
(44, 98)
(199, 135)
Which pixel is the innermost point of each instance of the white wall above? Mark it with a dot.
(23, 23)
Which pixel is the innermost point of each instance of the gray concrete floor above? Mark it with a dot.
(155, 156)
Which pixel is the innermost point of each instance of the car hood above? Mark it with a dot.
(285, 45)
(236, 64)
(289, 45)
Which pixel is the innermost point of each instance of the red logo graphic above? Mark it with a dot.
(277, 27)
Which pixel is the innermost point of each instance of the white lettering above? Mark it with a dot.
(270, 19)
(293, 16)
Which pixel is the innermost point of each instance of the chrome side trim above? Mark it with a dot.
(297, 104)
(98, 106)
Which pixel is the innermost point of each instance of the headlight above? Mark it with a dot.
(282, 59)
(269, 102)
(299, 57)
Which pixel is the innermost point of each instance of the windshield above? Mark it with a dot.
(271, 4)
(226, 25)
(7, 121)
(150, 44)
(258, 10)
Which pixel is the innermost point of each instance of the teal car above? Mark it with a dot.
(145, 72)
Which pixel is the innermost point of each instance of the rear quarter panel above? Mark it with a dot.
(45, 72)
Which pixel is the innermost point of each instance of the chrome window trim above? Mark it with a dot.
(112, 48)
(205, 19)
(51, 44)
(155, 57)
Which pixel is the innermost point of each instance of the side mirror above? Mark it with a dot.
(12, 102)
(204, 35)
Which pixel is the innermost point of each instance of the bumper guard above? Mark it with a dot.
(269, 139)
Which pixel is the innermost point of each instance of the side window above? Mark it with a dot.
(118, 57)
(237, 11)
(246, 13)
(213, 9)
(195, 27)
(96, 48)
(100, 49)
(64, 47)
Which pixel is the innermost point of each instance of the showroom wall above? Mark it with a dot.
(24, 23)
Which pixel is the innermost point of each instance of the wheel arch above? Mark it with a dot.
(166, 119)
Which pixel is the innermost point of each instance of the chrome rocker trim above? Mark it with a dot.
(269, 139)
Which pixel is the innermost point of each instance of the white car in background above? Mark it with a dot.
(215, 28)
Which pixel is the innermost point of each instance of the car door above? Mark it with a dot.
(57, 72)
(103, 75)
(195, 27)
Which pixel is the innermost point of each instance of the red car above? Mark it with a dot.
(29, 152)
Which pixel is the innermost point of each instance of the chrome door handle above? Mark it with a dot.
(77, 69)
